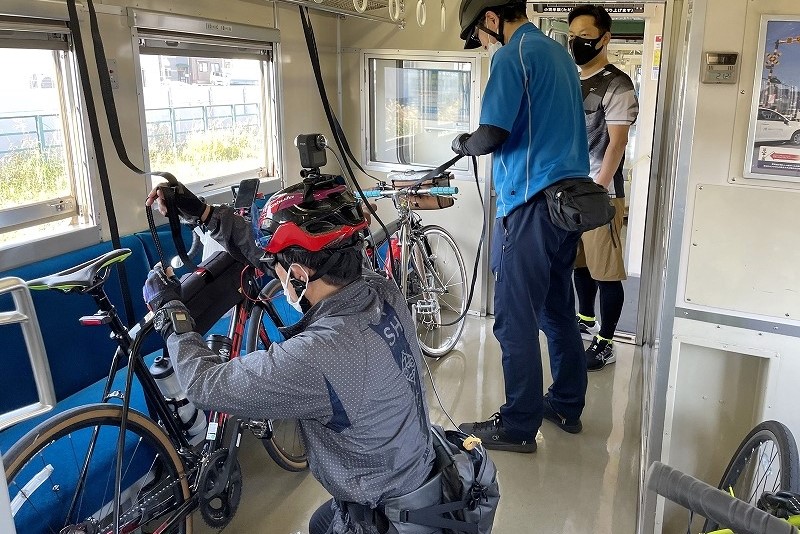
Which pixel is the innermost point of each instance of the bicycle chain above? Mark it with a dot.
(143, 505)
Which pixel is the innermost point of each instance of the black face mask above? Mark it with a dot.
(584, 50)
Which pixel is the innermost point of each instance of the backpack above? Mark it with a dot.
(467, 482)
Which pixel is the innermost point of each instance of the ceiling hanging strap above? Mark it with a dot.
(395, 10)
(360, 5)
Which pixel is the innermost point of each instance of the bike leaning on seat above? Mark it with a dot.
(62, 474)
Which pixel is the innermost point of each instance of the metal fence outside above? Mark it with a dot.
(172, 126)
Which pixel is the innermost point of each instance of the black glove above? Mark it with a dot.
(160, 288)
(458, 144)
(189, 206)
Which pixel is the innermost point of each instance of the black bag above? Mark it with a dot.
(212, 289)
(579, 205)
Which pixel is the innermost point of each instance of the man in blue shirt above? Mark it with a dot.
(532, 122)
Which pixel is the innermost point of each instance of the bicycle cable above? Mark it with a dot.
(478, 252)
(436, 392)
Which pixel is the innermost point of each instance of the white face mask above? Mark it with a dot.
(285, 284)
(493, 47)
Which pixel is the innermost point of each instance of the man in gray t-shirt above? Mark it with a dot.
(350, 371)
(611, 108)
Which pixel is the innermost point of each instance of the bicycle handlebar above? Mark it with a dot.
(433, 191)
(713, 503)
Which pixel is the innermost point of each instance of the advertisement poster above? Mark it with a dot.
(774, 137)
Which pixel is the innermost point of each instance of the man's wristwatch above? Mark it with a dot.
(168, 320)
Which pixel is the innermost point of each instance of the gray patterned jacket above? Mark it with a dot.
(350, 371)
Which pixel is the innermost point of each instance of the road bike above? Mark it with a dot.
(66, 475)
(427, 265)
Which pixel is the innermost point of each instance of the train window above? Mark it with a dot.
(43, 179)
(209, 101)
(415, 106)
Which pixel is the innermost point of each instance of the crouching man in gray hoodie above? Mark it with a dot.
(349, 371)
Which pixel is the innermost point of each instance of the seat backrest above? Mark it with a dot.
(78, 356)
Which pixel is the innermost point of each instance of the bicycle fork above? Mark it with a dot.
(428, 305)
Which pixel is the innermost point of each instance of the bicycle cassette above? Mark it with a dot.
(218, 506)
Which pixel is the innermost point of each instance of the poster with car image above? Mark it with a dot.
(774, 137)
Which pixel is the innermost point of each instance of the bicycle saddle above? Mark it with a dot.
(82, 277)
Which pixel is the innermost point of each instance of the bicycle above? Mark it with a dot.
(761, 480)
(162, 477)
(427, 266)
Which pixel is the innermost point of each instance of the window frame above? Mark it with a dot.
(79, 204)
(476, 61)
(160, 33)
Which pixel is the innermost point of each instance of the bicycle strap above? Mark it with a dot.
(437, 171)
(114, 128)
(102, 168)
(338, 134)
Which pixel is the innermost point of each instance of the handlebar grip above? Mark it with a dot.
(372, 193)
(443, 190)
(713, 503)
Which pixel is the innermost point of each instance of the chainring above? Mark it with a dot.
(217, 511)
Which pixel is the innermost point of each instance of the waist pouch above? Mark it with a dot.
(425, 202)
(579, 205)
(212, 289)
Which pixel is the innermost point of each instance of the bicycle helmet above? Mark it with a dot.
(468, 13)
(313, 215)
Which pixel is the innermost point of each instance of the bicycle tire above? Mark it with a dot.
(771, 437)
(285, 446)
(37, 453)
(436, 336)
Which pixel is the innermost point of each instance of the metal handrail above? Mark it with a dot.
(24, 314)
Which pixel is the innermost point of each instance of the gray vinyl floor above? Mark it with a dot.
(584, 483)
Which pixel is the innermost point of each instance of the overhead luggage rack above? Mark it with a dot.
(389, 11)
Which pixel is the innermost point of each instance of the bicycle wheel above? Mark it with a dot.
(766, 460)
(43, 469)
(437, 290)
(285, 446)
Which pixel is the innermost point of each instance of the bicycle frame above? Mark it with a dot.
(129, 342)
(411, 254)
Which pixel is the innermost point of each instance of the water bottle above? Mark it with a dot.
(165, 377)
(221, 345)
(193, 420)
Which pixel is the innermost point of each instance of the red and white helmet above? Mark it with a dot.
(312, 216)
